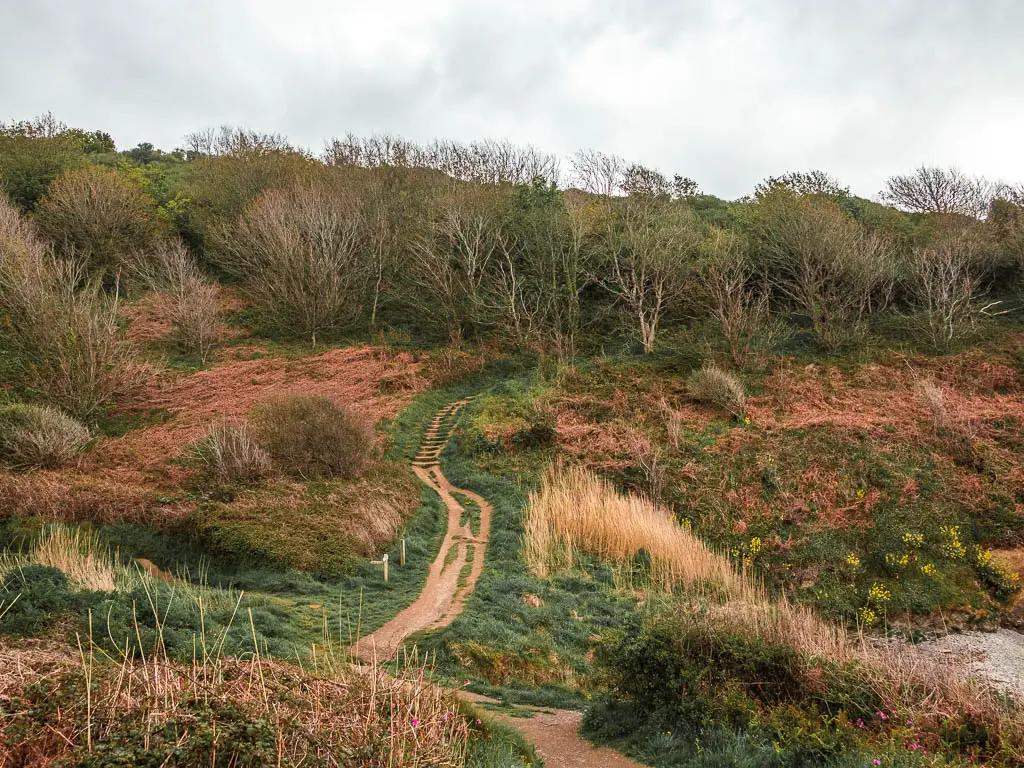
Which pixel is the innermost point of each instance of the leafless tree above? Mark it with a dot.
(647, 254)
(930, 189)
(453, 261)
(739, 302)
(832, 269)
(946, 285)
(297, 251)
(63, 327)
(170, 271)
(598, 173)
(379, 150)
(99, 215)
(234, 140)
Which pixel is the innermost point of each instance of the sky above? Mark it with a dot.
(727, 92)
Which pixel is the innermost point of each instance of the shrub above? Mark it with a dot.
(39, 437)
(833, 270)
(739, 307)
(297, 252)
(313, 437)
(722, 389)
(232, 454)
(39, 594)
(61, 326)
(98, 215)
(945, 286)
(171, 272)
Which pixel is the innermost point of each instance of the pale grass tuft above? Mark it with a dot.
(575, 512)
(34, 437)
(82, 557)
(722, 389)
(232, 453)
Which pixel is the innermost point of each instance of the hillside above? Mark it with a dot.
(659, 478)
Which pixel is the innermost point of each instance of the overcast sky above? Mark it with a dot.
(724, 91)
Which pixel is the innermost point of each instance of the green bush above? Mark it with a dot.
(310, 436)
(39, 437)
(39, 594)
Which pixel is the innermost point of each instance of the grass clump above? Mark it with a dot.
(39, 437)
(232, 454)
(93, 708)
(576, 513)
(85, 561)
(310, 436)
(722, 389)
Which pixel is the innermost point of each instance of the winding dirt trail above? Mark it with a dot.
(459, 563)
(554, 733)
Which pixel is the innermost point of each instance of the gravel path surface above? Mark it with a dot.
(994, 656)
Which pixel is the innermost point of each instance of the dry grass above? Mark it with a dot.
(720, 388)
(33, 437)
(87, 562)
(575, 512)
(953, 427)
(232, 454)
(60, 709)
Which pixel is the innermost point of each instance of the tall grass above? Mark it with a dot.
(81, 556)
(576, 513)
(145, 708)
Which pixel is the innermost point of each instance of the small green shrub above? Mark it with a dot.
(310, 436)
(34, 437)
(39, 593)
(232, 454)
(722, 389)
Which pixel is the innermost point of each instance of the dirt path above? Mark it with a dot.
(459, 563)
(555, 735)
(452, 577)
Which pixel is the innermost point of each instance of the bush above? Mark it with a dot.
(232, 454)
(945, 286)
(832, 270)
(712, 385)
(39, 593)
(61, 326)
(310, 436)
(297, 252)
(98, 215)
(170, 271)
(34, 437)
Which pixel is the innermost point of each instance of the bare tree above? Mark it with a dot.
(192, 299)
(63, 328)
(379, 150)
(454, 260)
(598, 173)
(831, 268)
(946, 287)
(739, 302)
(297, 251)
(235, 140)
(646, 258)
(941, 190)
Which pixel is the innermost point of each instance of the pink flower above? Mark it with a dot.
(876, 761)
(415, 722)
